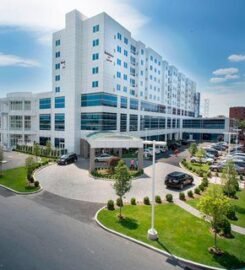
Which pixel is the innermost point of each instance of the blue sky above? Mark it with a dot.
(204, 39)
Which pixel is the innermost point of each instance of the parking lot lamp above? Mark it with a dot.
(152, 233)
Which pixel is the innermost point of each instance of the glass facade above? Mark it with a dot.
(152, 107)
(59, 102)
(44, 103)
(43, 140)
(133, 122)
(59, 121)
(204, 123)
(124, 102)
(44, 121)
(16, 122)
(59, 143)
(123, 122)
(98, 121)
(98, 99)
(134, 104)
(152, 122)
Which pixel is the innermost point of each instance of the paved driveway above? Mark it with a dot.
(73, 181)
(14, 160)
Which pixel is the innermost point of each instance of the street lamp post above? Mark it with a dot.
(152, 233)
(237, 133)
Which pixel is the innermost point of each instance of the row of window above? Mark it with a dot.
(204, 123)
(20, 105)
(45, 103)
(58, 142)
(45, 122)
(16, 122)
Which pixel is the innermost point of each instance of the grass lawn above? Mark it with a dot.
(106, 173)
(239, 206)
(16, 179)
(180, 233)
(203, 167)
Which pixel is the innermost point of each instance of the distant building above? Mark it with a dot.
(237, 113)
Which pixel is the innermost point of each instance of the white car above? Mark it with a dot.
(203, 160)
(103, 157)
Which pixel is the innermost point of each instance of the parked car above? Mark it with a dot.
(163, 149)
(240, 170)
(178, 179)
(66, 159)
(239, 154)
(202, 160)
(212, 151)
(218, 147)
(104, 157)
(184, 142)
(218, 167)
(209, 155)
(148, 153)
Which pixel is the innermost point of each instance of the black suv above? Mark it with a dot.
(178, 180)
(68, 158)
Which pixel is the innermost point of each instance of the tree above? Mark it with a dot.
(48, 147)
(122, 181)
(200, 154)
(229, 179)
(216, 205)
(242, 124)
(193, 149)
(36, 150)
(113, 162)
(30, 165)
(1, 160)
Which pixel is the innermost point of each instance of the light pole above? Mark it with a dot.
(237, 133)
(229, 140)
(152, 233)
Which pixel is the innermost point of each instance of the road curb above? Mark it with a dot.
(181, 261)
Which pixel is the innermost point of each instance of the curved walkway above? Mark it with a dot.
(198, 214)
(74, 182)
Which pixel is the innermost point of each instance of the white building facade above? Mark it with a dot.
(103, 80)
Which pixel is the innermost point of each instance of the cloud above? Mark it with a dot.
(236, 58)
(217, 80)
(45, 17)
(225, 71)
(17, 61)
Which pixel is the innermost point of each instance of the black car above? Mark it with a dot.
(178, 180)
(68, 158)
(212, 151)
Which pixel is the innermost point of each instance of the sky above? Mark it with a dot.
(203, 39)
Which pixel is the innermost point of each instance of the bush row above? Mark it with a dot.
(198, 171)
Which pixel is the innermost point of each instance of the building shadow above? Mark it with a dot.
(229, 261)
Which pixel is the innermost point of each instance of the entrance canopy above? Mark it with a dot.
(113, 140)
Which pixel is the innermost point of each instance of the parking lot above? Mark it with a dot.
(13, 160)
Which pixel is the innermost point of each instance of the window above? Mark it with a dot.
(124, 102)
(27, 105)
(95, 42)
(16, 122)
(95, 56)
(16, 105)
(44, 122)
(95, 84)
(57, 42)
(119, 36)
(126, 41)
(59, 121)
(98, 121)
(133, 49)
(119, 49)
(141, 62)
(125, 53)
(44, 103)
(57, 66)
(142, 51)
(27, 122)
(59, 143)
(119, 62)
(169, 123)
(59, 102)
(118, 87)
(123, 122)
(118, 74)
(151, 58)
(95, 70)
(96, 28)
(57, 54)
(57, 89)
(133, 122)
(57, 78)
(98, 99)
(134, 104)
(125, 77)
(43, 140)
(125, 65)
(125, 89)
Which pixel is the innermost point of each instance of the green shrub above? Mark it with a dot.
(36, 184)
(197, 190)
(205, 181)
(231, 214)
(158, 199)
(241, 177)
(190, 194)
(31, 179)
(201, 187)
(209, 174)
(119, 202)
(169, 198)
(200, 173)
(225, 227)
(182, 196)
(147, 201)
(110, 205)
(133, 201)
(184, 160)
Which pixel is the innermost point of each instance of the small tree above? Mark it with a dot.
(215, 204)
(30, 166)
(229, 179)
(36, 150)
(193, 149)
(1, 160)
(122, 181)
(200, 153)
(48, 147)
(112, 163)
